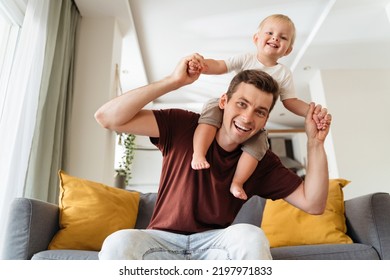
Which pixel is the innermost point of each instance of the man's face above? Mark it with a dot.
(245, 114)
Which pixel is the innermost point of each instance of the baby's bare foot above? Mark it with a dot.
(238, 192)
(199, 162)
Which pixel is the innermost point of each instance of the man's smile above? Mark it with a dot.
(242, 127)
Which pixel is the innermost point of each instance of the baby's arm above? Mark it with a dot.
(214, 67)
(207, 66)
(296, 106)
(301, 108)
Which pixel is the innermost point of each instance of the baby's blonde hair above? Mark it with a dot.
(282, 18)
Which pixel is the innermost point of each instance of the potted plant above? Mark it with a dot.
(123, 173)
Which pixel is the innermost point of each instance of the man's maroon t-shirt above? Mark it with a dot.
(192, 201)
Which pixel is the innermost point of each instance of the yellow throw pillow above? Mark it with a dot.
(286, 225)
(91, 211)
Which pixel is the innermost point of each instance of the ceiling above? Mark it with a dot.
(331, 34)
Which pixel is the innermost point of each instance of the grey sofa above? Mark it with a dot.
(33, 223)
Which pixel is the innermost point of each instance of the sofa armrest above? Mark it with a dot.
(30, 228)
(368, 221)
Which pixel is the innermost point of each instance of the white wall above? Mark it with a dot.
(91, 153)
(359, 102)
(318, 95)
(146, 167)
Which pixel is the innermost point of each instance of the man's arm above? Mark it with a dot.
(311, 195)
(125, 113)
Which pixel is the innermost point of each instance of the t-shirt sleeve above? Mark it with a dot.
(287, 87)
(173, 125)
(235, 63)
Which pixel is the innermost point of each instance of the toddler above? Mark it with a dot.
(274, 39)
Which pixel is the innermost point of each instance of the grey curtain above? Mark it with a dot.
(55, 99)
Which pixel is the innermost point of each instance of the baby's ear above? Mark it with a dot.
(255, 37)
(289, 50)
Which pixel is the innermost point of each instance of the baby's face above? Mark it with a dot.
(274, 38)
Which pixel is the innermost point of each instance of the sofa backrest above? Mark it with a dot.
(251, 212)
(145, 209)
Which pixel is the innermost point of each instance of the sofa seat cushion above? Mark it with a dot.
(354, 251)
(66, 255)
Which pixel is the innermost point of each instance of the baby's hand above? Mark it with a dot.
(319, 118)
(194, 68)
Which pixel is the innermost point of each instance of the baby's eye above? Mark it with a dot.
(269, 33)
(284, 38)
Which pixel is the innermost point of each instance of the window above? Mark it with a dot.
(11, 19)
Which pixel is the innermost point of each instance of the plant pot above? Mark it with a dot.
(119, 181)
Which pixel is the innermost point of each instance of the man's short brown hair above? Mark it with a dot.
(259, 79)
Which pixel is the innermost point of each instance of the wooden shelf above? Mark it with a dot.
(290, 130)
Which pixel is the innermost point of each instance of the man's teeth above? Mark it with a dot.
(242, 127)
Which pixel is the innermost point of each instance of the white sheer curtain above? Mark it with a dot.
(17, 122)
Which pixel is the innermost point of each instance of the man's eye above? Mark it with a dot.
(241, 104)
(262, 114)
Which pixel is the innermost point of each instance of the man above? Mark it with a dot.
(194, 208)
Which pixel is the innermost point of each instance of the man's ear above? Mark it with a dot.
(265, 123)
(222, 101)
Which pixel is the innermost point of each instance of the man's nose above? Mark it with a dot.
(247, 116)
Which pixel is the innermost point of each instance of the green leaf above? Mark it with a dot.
(128, 141)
